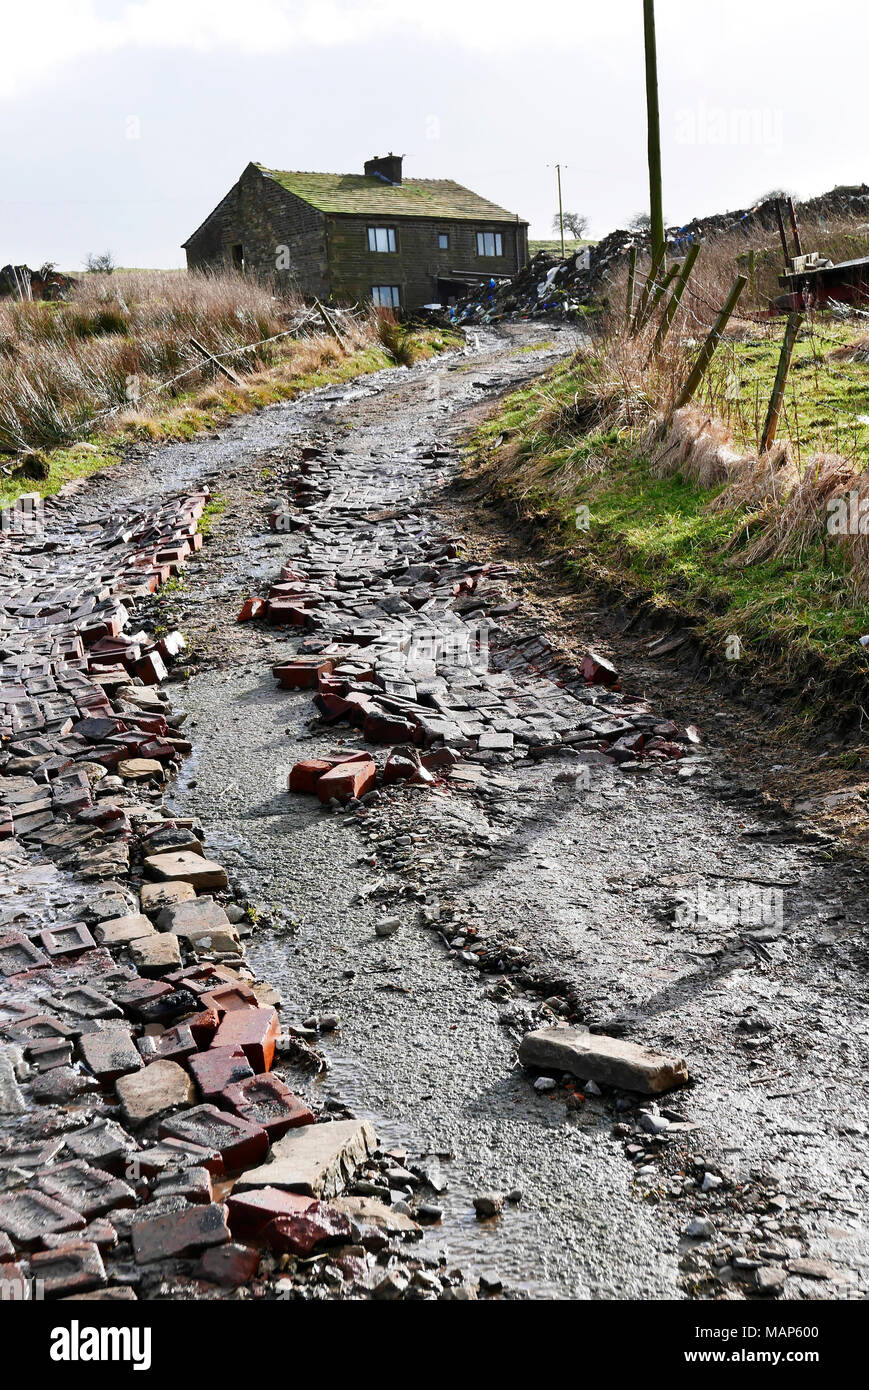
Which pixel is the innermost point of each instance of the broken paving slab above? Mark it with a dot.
(369, 1211)
(317, 1160)
(187, 867)
(122, 931)
(158, 1087)
(608, 1061)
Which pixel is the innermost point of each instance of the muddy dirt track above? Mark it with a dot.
(661, 901)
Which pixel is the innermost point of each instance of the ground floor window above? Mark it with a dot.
(386, 296)
(238, 256)
(489, 244)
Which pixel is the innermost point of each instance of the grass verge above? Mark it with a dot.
(304, 365)
(668, 543)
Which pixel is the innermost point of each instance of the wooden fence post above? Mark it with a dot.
(661, 291)
(632, 279)
(675, 300)
(707, 352)
(773, 414)
(782, 233)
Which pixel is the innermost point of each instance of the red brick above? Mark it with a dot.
(218, 1068)
(83, 1188)
(251, 608)
(203, 1026)
(267, 1101)
(239, 1143)
(305, 775)
(287, 611)
(255, 1031)
(304, 1231)
(596, 670)
(68, 939)
(100, 1233)
(347, 780)
(226, 998)
(29, 1215)
(229, 1265)
(384, 728)
(180, 1233)
(18, 954)
(251, 1212)
(69, 1269)
(193, 1184)
(176, 1043)
(400, 767)
(173, 1154)
(303, 673)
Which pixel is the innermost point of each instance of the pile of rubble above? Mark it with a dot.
(550, 286)
(408, 647)
(546, 285)
(146, 1132)
(20, 282)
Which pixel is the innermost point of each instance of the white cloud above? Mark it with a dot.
(47, 33)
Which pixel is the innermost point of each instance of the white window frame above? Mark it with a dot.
(382, 240)
(386, 296)
(443, 241)
(487, 239)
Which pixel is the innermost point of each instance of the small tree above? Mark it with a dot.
(102, 262)
(574, 222)
(640, 222)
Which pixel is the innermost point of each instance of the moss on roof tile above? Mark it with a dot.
(359, 193)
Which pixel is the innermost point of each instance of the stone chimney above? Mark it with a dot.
(386, 167)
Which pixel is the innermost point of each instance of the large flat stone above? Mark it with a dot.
(121, 931)
(317, 1159)
(193, 918)
(595, 1057)
(187, 867)
(156, 1088)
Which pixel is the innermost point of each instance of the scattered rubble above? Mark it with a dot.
(551, 287)
(141, 1120)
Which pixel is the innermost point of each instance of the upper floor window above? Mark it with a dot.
(443, 241)
(489, 244)
(381, 238)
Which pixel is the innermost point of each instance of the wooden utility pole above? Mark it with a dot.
(707, 352)
(560, 209)
(656, 196)
(773, 414)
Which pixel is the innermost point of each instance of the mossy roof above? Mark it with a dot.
(360, 193)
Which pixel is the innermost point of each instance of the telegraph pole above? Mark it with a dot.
(560, 209)
(656, 197)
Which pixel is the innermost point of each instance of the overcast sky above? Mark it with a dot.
(124, 124)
